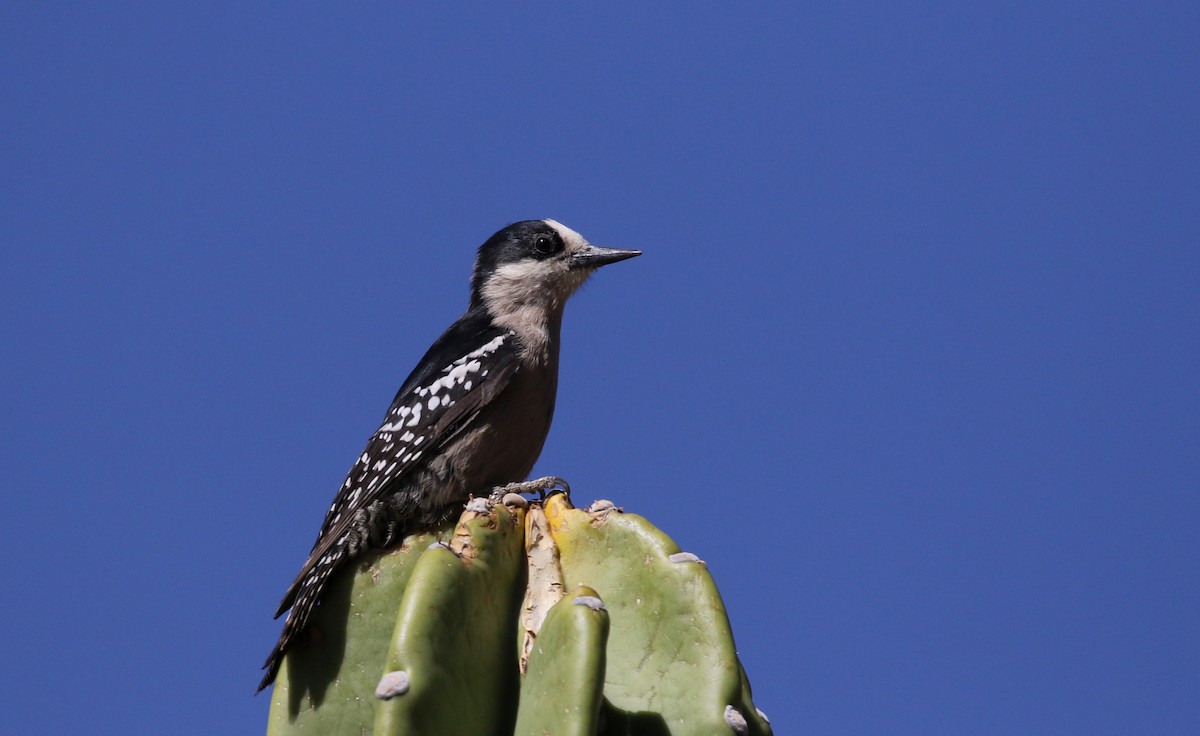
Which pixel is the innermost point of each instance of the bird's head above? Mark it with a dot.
(533, 266)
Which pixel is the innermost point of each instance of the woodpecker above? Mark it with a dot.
(472, 416)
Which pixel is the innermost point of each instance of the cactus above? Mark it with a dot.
(330, 681)
(451, 636)
(539, 620)
(563, 688)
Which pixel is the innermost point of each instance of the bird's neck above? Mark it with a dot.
(530, 309)
(536, 328)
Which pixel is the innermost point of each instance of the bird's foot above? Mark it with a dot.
(540, 486)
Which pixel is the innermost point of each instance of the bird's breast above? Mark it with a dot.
(503, 442)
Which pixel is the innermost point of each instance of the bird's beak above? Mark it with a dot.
(591, 256)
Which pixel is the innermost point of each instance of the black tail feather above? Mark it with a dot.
(302, 598)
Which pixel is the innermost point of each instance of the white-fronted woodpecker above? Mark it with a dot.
(472, 416)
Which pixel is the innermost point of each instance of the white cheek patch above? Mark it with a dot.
(523, 277)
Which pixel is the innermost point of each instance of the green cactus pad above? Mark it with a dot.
(563, 689)
(432, 639)
(454, 633)
(671, 663)
(327, 684)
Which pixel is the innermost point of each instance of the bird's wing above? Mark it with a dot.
(428, 409)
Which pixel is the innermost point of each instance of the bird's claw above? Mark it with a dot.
(544, 487)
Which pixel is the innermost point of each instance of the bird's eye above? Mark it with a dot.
(544, 245)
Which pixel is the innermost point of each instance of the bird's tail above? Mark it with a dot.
(302, 598)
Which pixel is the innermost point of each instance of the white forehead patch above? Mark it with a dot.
(572, 239)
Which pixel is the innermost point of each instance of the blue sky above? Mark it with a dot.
(910, 360)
